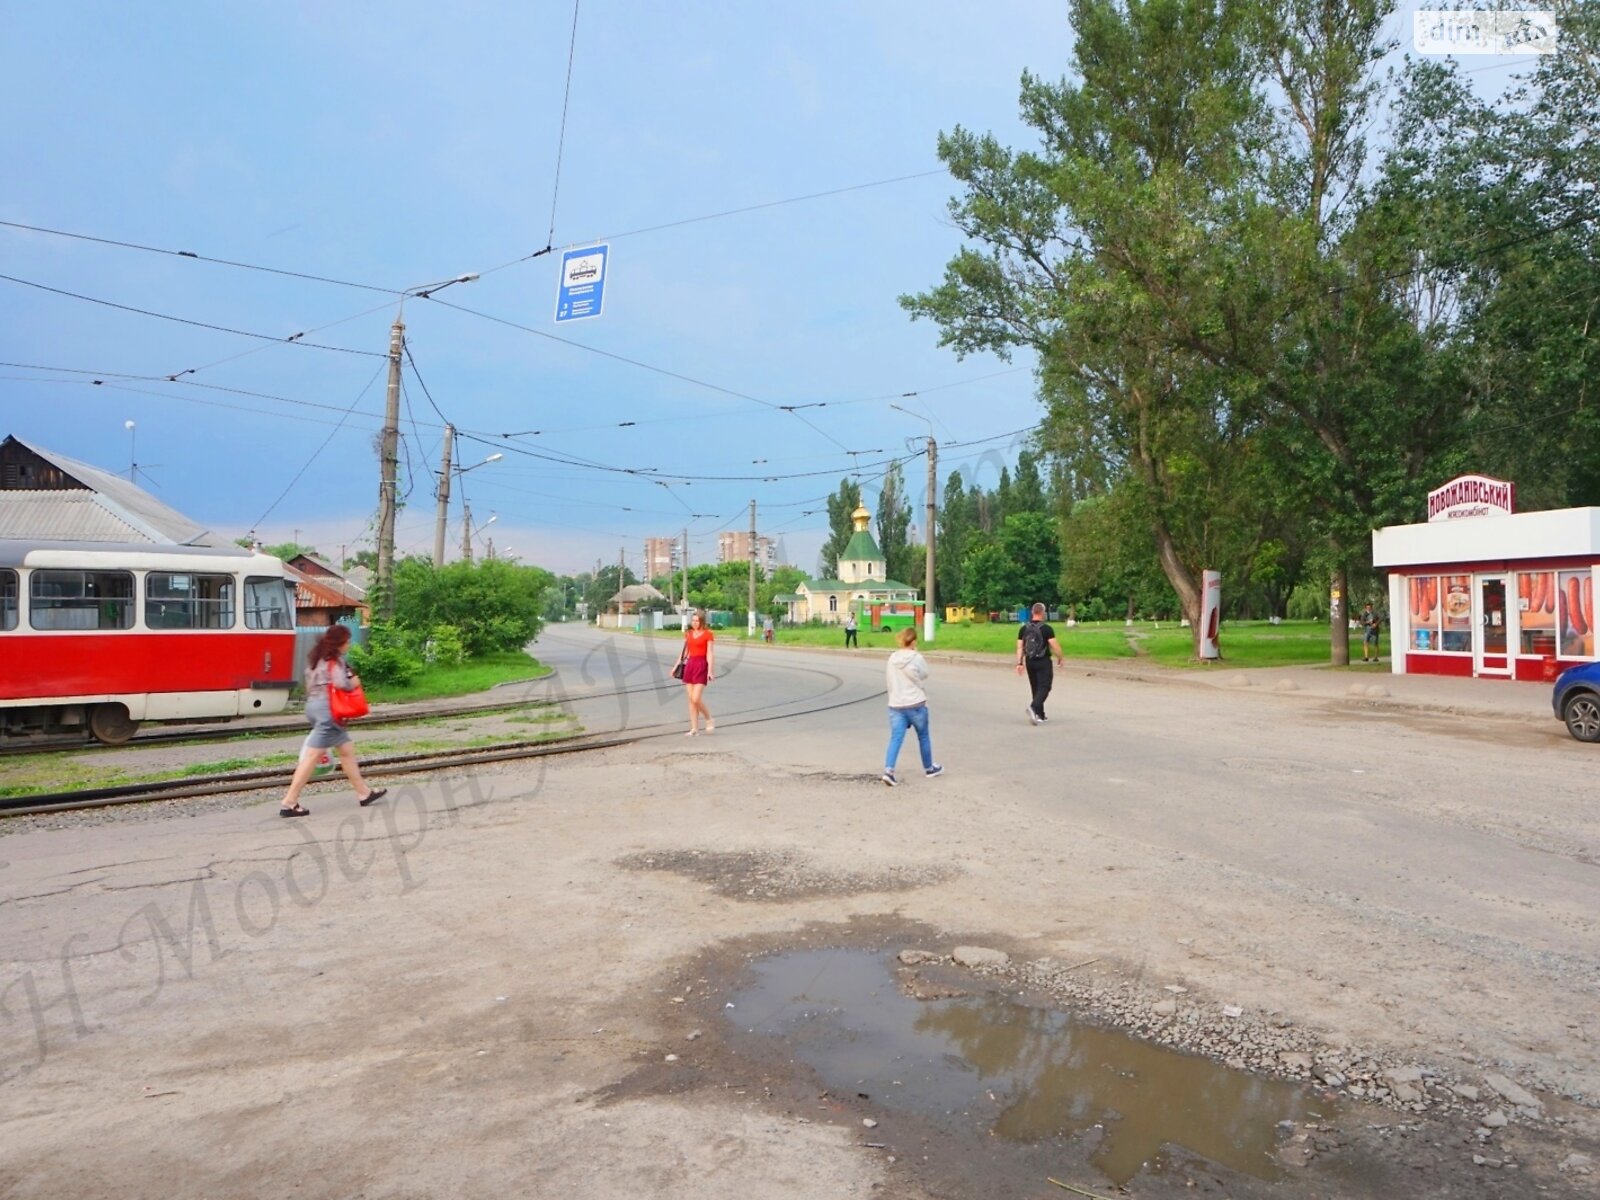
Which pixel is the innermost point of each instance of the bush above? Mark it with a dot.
(385, 659)
(442, 647)
(494, 606)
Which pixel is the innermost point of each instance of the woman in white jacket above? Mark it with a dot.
(908, 706)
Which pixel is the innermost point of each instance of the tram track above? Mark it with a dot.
(395, 765)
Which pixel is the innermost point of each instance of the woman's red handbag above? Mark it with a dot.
(347, 706)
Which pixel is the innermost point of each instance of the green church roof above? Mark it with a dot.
(860, 548)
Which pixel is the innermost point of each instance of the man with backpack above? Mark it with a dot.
(1036, 641)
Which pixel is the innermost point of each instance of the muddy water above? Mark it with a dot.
(1025, 1074)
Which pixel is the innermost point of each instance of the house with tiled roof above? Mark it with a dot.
(862, 581)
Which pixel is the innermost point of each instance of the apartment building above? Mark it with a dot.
(734, 546)
(662, 556)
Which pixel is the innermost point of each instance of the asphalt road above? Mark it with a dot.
(436, 999)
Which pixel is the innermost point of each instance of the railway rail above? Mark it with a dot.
(388, 766)
(234, 731)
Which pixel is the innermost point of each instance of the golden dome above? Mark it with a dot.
(861, 517)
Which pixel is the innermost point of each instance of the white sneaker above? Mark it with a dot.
(1032, 716)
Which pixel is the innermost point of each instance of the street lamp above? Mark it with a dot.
(928, 623)
(389, 443)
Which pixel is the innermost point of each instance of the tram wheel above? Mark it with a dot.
(110, 724)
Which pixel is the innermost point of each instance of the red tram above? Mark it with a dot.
(99, 637)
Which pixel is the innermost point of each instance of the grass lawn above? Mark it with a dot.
(474, 675)
(1244, 643)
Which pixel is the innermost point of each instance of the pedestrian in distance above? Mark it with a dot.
(699, 669)
(850, 632)
(326, 668)
(908, 706)
(766, 630)
(1371, 623)
(1036, 641)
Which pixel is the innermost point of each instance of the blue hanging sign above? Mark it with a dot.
(583, 283)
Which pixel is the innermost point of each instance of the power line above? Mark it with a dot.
(315, 453)
(190, 254)
(561, 140)
(293, 338)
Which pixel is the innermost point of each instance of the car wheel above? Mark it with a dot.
(1581, 712)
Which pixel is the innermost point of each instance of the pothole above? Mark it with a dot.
(1025, 1074)
(778, 875)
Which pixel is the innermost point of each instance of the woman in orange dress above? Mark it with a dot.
(699, 669)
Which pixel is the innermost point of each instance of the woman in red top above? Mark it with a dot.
(699, 669)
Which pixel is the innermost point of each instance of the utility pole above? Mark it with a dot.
(929, 621)
(752, 615)
(686, 575)
(622, 575)
(466, 526)
(388, 469)
(444, 500)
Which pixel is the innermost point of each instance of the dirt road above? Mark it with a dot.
(518, 983)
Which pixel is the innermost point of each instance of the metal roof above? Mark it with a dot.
(105, 509)
(123, 555)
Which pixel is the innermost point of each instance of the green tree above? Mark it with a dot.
(988, 575)
(840, 505)
(495, 605)
(1027, 486)
(957, 522)
(1032, 543)
(893, 519)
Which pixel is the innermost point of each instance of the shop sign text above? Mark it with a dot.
(1472, 496)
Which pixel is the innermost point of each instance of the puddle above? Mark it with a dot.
(1025, 1074)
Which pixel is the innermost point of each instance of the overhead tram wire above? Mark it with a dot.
(561, 139)
(292, 339)
(361, 395)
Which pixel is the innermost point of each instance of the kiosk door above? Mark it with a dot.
(1489, 647)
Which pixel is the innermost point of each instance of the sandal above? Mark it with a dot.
(372, 796)
(296, 811)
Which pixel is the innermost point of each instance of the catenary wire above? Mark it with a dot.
(293, 338)
(289, 487)
(561, 139)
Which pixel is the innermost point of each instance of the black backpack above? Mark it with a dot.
(1033, 640)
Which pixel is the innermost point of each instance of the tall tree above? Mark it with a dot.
(957, 522)
(1161, 121)
(893, 519)
(1027, 486)
(840, 505)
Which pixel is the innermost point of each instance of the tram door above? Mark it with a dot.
(1489, 649)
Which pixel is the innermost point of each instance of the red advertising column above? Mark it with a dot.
(1210, 613)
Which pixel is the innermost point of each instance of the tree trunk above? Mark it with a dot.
(1339, 619)
(1182, 581)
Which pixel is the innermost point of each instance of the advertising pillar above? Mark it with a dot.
(1210, 613)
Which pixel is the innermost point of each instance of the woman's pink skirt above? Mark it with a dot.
(696, 669)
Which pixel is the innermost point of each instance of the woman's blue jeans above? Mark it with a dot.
(916, 718)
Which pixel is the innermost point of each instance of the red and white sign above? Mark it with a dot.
(1472, 496)
(1210, 613)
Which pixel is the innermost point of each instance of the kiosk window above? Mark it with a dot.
(80, 600)
(1536, 608)
(1425, 608)
(183, 601)
(1575, 610)
(8, 600)
(266, 604)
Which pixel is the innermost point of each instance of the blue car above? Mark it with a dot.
(1577, 701)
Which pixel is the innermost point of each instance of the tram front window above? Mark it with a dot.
(266, 604)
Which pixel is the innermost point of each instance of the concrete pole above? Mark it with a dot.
(388, 470)
(686, 571)
(929, 621)
(444, 500)
(752, 613)
(466, 526)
